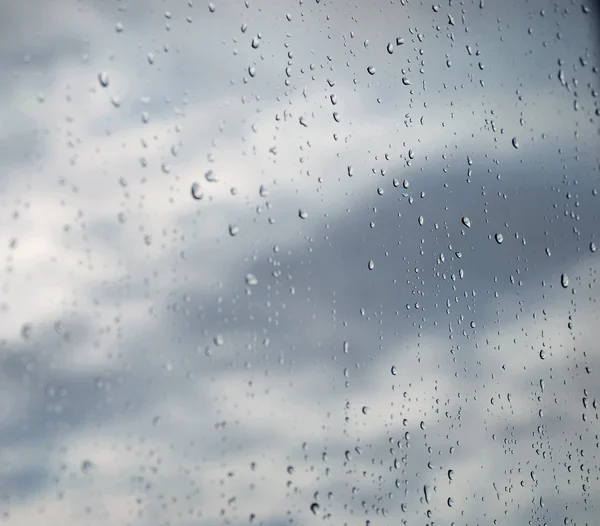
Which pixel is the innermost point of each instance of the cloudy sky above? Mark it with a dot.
(299, 262)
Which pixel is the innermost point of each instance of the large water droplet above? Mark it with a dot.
(499, 238)
(466, 221)
(315, 508)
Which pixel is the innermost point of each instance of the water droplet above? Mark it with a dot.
(427, 493)
(371, 70)
(371, 265)
(119, 27)
(399, 41)
(499, 238)
(302, 214)
(542, 354)
(210, 176)
(196, 191)
(211, 7)
(515, 142)
(86, 466)
(405, 81)
(466, 221)
(365, 409)
(234, 230)
(450, 502)
(252, 71)
(564, 281)
(421, 220)
(350, 171)
(390, 48)
(26, 330)
(218, 340)
(255, 42)
(251, 280)
(315, 508)
(394, 370)
(450, 474)
(593, 247)
(103, 79)
(303, 122)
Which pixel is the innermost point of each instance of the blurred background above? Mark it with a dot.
(299, 262)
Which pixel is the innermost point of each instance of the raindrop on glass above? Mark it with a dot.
(499, 238)
(564, 281)
(86, 466)
(103, 79)
(196, 191)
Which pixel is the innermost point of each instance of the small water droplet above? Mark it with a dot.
(390, 48)
(26, 330)
(427, 493)
(371, 265)
(564, 281)
(515, 142)
(210, 176)
(394, 370)
(499, 238)
(315, 508)
(211, 7)
(103, 79)
(365, 409)
(252, 71)
(371, 70)
(466, 221)
(86, 466)
(542, 354)
(450, 502)
(405, 81)
(593, 247)
(218, 340)
(196, 191)
(234, 230)
(302, 214)
(450, 474)
(251, 280)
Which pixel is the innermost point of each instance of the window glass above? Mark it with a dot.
(299, 262)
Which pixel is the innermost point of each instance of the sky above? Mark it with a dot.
(299, 262)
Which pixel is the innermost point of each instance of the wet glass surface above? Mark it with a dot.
(299, 263)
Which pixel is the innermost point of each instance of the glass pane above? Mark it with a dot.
(299, 262)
